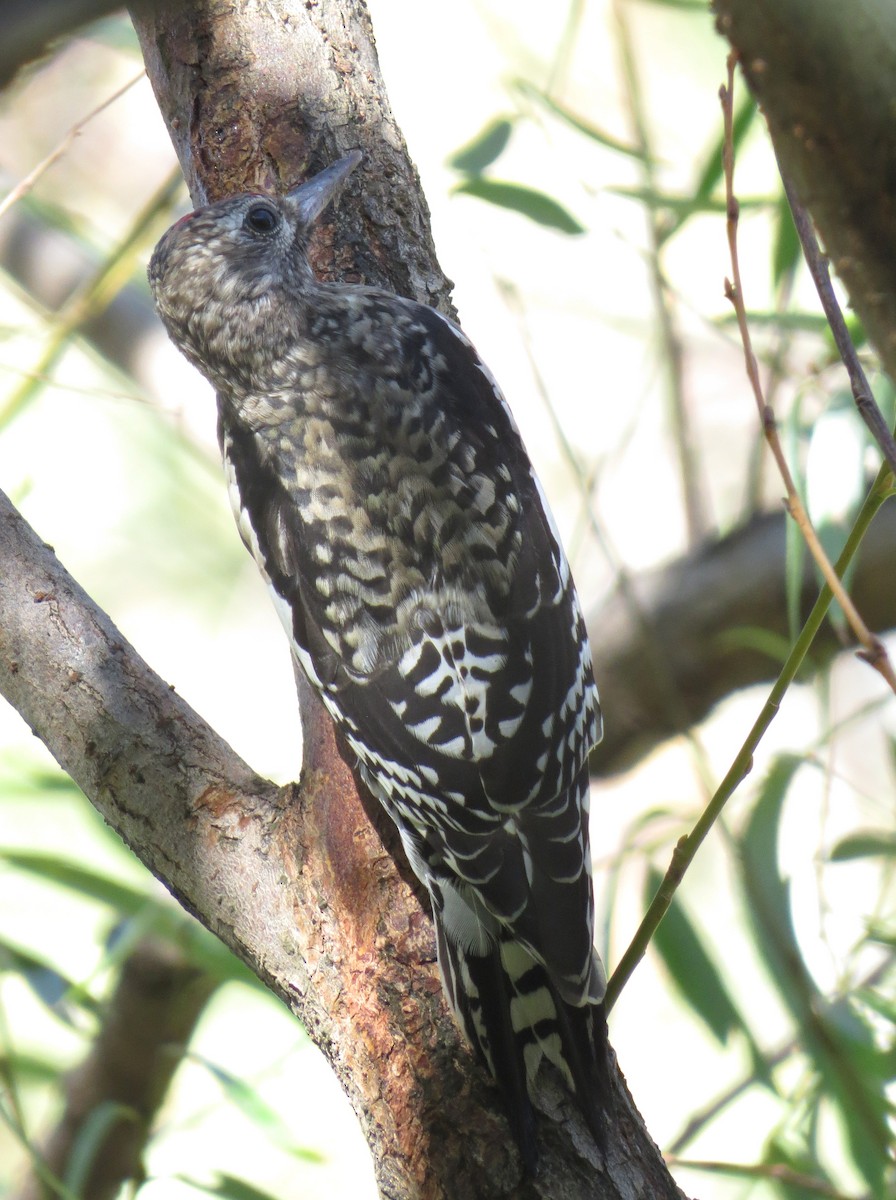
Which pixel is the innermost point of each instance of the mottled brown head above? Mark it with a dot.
(231, 260)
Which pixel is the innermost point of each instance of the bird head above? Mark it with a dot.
(231, 259)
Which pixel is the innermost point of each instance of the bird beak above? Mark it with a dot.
(309, 199)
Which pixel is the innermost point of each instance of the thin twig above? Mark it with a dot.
(873, 650)
(680, 417)
(93, 295)
(778, 1172)
(687, 847)
(821, 275)
(24, 186)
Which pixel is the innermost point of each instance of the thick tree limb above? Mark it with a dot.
(269, 870)
(295, 881)
(29, 26)
(824, 73)
(708, 624)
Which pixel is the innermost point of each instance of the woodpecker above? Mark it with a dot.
(379, 480)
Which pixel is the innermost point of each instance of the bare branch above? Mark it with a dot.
(873, 650)
(718, 617)
(821, 276)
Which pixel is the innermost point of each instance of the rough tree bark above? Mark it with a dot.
(823, 73)
(301, 881)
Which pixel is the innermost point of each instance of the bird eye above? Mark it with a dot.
(261, 218)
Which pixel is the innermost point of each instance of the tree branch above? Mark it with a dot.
(823, 73)
(718, 619)
(295, 881)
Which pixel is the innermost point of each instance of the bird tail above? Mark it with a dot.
(514, 1016)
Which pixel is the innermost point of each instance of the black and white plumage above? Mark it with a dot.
(379, 480)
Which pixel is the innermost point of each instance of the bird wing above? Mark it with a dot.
(473, 715)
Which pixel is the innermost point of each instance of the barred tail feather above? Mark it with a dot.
(477, 991)
(513, 1016)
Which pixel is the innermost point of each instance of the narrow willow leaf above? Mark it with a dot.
(840, 1046)
(154, 915)
(228, 1187)
(122, 897)
(244, 1097)
(515, 196)
(28, 1068)
(691, 968)
(55, 991)
(578, 123)
(91, 1138)
(683, 206)
(482, 151)
(869, 843)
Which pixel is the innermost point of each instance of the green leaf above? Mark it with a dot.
(769, 895)
(799, 322)
(788, 1159)
(91, 1138)
(787, 253)
(578, 123)
(773, 646)
(52, 1185)
(28, 1068)
(482, 151)
(26, 777)
(883, 1005)
(153, 915)
(251, 1105)
(884, 934)
(56, 991)
(120, 896)
(683, 206)
(228, 1187)
(869, 843)
(693, 971)
(515, 196)
(840, 1045)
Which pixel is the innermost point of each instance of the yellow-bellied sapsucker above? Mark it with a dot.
(379, 480)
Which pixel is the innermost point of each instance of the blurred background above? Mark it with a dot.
(575, 184)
